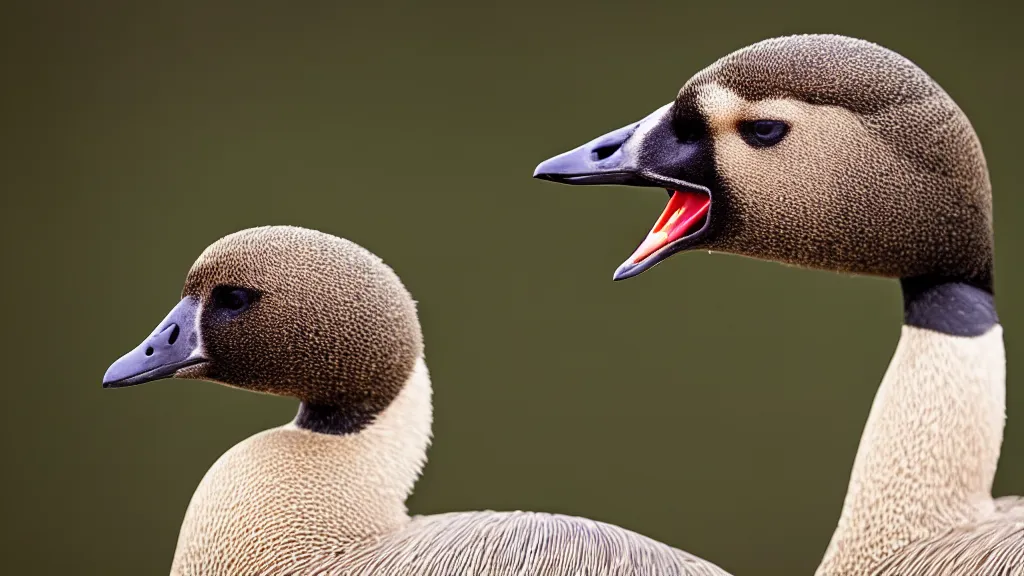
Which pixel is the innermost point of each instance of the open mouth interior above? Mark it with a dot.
(686, 212)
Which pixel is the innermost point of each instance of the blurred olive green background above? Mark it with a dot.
(714, 403)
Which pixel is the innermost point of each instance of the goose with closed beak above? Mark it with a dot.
(834, 153)
(299, 313)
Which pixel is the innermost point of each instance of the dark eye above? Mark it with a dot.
(763, 133)
(232, 299)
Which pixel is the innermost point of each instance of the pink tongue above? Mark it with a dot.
(684, 211)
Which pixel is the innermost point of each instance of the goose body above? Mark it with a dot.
(290, 311)
(834, 153)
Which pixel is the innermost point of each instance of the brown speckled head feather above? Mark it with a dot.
(824, 70)
(881, 172)
(333, 325)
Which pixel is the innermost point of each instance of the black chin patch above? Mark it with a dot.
(954, 308)
(325, 419)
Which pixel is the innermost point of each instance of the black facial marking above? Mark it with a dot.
(953, 308)
(332, 419)
(689, 130)
(679, 147)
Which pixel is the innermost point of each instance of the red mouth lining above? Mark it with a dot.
(685, 211)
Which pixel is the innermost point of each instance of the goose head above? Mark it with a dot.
(818, 151)
(291, 312)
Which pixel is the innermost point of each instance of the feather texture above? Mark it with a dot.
(516, 543)
(990, 547)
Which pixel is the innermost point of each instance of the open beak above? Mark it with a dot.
(646, 153)
(173, 345)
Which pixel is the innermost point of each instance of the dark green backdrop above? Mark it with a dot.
(714, 403)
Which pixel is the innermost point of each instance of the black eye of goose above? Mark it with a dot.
(763, 133)
(232, 299)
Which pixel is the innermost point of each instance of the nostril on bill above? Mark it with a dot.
(603, 152)
(174, 335)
